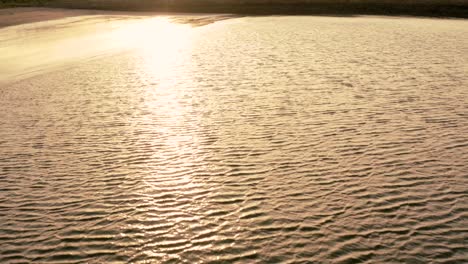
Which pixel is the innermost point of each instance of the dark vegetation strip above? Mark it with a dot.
(23, 3)
(432, 8)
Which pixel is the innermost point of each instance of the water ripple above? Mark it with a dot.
(340, 141)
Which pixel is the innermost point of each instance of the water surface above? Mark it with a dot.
(251, 140)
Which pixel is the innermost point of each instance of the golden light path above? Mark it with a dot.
(162, 54)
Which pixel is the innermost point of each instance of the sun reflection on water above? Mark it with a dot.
(159, 42)
(161, 53)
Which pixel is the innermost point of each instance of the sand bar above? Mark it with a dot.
(23, 15)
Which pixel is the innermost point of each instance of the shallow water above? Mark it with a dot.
(251, 140)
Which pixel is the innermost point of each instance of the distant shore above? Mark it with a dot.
(429, 8)
(432, 8)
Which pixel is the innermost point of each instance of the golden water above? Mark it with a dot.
(250, 140)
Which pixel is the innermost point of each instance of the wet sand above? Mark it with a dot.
(24, 15)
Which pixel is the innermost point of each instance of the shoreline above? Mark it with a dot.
(23, 15)
(14, 16)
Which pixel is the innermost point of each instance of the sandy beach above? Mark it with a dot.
(24, 15)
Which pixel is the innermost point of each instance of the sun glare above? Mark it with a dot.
(158, 41)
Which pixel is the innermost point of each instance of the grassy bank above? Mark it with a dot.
(437, 8)
(444, 8)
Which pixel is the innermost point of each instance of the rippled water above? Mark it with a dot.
(251, 140)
